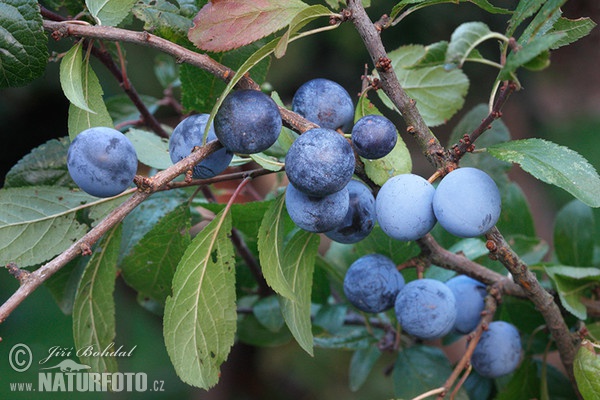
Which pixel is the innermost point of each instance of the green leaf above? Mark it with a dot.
(300, 20)
(553, 164)
(483, 4)
(361, 364)
(349, 338)
(571, 283)
(267, 162)
(524, 10)
(151, 149)
(439, 93)
(63, 284)
(109, 12)
(465, 38)
(529, 52)
(151, 264)
(270, 248)
(39, 222)
(97, 114)
(524, 383)
(435, 54)
(586, 368)
(162, 17)
(201, 89)
(227, 24)
(298, 265)
(23, 42)
(268, 312)
(574, 234)
(546, 17)
(94, 307)
(574, 30)
(143, 218)
(396, 162)
(44, 165)
(200, 318)
(419, 369)
(71, 77)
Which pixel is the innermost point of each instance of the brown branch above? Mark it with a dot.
(466, 143)
(429, 144)
(441, 257)
(39, 276)
(566, 343)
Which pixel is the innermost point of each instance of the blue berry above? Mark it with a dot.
(470, 302)
(325, 103)
(467, 202)
(320, 162)
(403, 207)
(498, 351)
(248, 122)
(360, 218)
(102, 161)
(372, 283)
(188, 134)
(374, 136)
(426, 308)
(316, 214)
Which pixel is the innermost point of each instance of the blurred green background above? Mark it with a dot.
(561, 104)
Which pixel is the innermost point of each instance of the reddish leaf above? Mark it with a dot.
(228, 24)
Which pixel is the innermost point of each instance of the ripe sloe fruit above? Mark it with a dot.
(467, 202)
(316, 214)
(188, 134)
(325, 103)
(372, 283)
(320, 162)
(426, 308)
(360, 218)
(403, 207)
(248, 122)
(374, 136)
(102, 161)
(470, 302)
(498, 351)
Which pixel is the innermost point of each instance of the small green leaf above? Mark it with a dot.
(574, 30)
(465, 38)
(97, 114)
(524, 10)
(435, 54)
(109, 12)
(571, 283)
(94, 307)
(23, 42)
(44, 165)
(516, 217)
(300, 20)
(529, 52)
(268, 312)
(298, 265)
(483, 4)
(200, 318)
(270, 248)
(396, 162)
(39, 222)
(439, 93)
(71, 77)
(162, 17)
(419, 369)
(151, 149)
(574, 237)
(553, 164)
(151, 264)
(586, 368)
(361, 364)
(349, 338)
(547, 15)
(267, 162)
(227, 24)
(63, 284)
